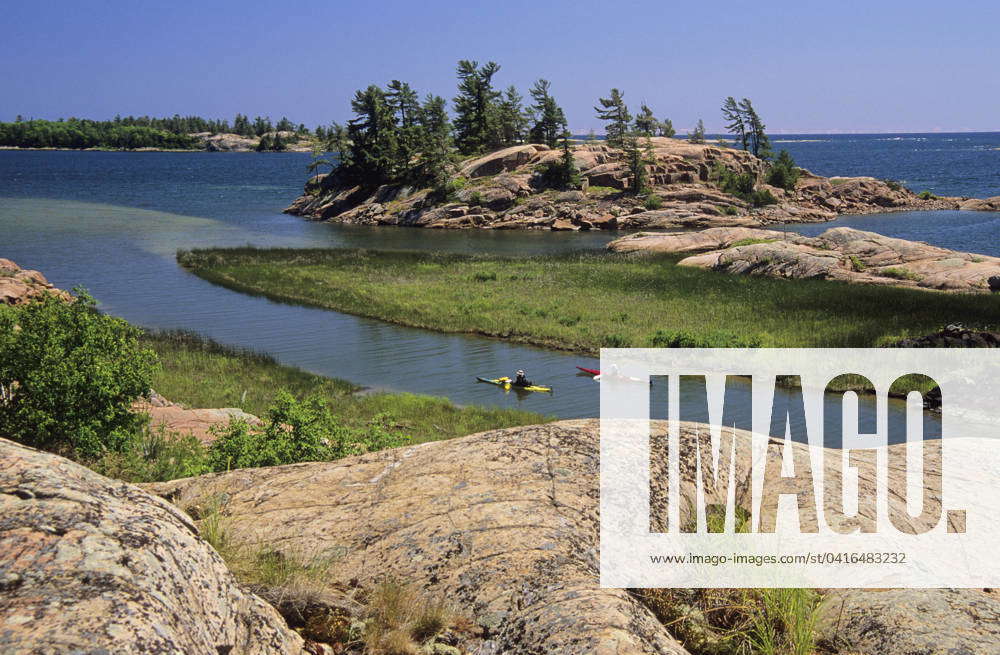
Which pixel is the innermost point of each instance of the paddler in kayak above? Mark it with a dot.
(520, 380)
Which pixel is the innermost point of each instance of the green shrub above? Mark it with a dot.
(894, 185)
(716, 339)
(476, 198)
(926, 195)
(856, 264)
(555, 175)
(485, 277)
(762, 197)
(298, 431)
(900, 273)
(155, 455)
(599, 191)
(652, 202)
(740, 185)
(749, 242)
(68, 375)
(616, 341)
(729, 210)
(784, 173)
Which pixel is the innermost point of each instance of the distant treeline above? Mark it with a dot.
(130, 132)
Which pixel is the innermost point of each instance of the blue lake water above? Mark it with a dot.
(112, 222)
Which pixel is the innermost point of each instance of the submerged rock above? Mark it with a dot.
(88, 564)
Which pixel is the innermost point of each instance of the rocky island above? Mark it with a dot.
(506, 190)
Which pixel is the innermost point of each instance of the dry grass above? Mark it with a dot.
(393, 618)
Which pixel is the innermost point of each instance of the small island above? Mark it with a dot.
(501, 165)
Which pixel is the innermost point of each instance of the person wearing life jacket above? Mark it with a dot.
(520, 380)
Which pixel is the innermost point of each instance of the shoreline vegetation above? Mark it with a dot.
(173, 134)
(199, 372)
(585, 301)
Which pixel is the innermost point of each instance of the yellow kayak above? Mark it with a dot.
(507, 383)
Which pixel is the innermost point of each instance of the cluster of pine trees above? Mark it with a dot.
(625, 133)
(396, 137)
(745, 124)
(130, 132)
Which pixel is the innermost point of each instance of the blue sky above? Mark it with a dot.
(875, 66)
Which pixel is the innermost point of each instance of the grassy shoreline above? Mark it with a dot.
(198, 372)
(582, 302)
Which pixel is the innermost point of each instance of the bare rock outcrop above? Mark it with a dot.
(18, 286)
(981, 204)
(88, 564)
(175, 418)
(910, 621)
(504, 524)
(839, 253)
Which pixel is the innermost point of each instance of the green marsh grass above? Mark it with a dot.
(572, 301)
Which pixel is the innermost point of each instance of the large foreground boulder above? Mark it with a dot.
(502, 524)
(911, 621)
(90, 565)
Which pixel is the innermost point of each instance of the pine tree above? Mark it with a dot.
(435, 143)
(667, 128)
(513, 121)
(698, 134)
(736, 124)
(645, 121)
(637, 158)
(550, 119)
(402, 101)
(476, 112)
(374, 151)
(615, 112)
(760, 144)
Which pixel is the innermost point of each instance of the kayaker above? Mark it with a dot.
(520, 380)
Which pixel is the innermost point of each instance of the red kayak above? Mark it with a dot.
(592, 371)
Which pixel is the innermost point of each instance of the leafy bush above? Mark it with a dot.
(856, 264)
(927, 195)
(762, 197)
(298, 431)
(68, 375)
(740, 185)
(900, 273)
(784, 173)
(729, 210)
(555, 175)
(716, 339)
(894, 185)
(616, 341)
(653, 202)
(155, 455)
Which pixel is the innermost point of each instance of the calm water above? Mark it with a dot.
(112, 222)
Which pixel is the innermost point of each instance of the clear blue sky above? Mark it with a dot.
(846, 66)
